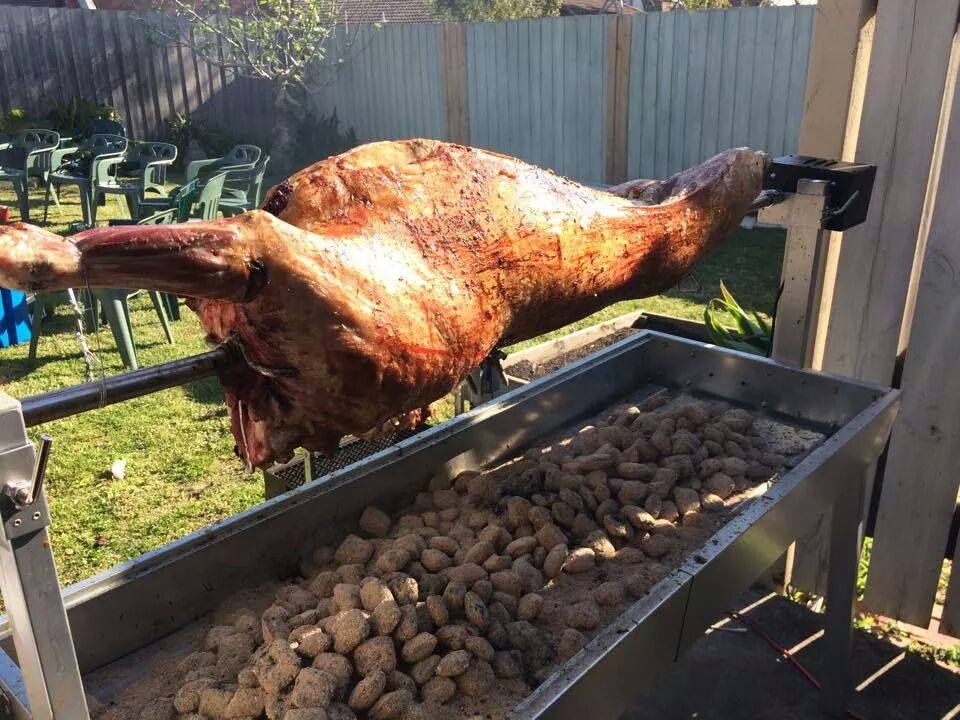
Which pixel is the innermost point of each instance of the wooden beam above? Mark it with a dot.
(950, 619)
(921, 479)
(619, 33)
(898, 125)
(869, 268)
(453, 57)
(833, 96)
(834, 52)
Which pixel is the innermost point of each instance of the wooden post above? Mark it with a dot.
(831, 81)
(840, 43)
(456, 93)
(868, 268)
(619, 33)
(898, 125)
(921, 479)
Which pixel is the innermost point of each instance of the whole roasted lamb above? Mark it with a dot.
(373, 282)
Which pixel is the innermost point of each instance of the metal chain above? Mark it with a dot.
(89, 358)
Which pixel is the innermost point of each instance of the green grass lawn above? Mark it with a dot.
(181, 473)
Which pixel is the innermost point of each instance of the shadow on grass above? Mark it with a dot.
(207, 391)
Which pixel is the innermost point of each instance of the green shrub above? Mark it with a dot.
(15, 121)
(76, 115)
(213, 139)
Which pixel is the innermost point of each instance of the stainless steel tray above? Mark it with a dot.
(126, 608)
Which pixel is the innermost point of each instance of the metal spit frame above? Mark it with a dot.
(47, 683)
(138, 602)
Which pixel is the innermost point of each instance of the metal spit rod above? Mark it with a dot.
(765, 199)
(117, 388)
(58, 404)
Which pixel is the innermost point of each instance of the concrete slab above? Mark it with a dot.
(731, 675)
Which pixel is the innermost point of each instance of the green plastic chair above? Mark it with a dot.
(116, 302)
(208, 202)
(191, 201)
(243, 189)
(116, 308)
(180, 200)
(97, 148)
(164, 217)
(29, 155)
(153, 159)
(240, 157)
(56, 158)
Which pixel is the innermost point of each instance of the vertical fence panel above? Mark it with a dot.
(782, 60)
(595, 169)
(8, 99)
(696, 89)
(745, 75)
(664, 95)
(77, 55)
(728, 79)
(123, 75)
(763, 79)
(536, 79)
(28, 59)
(680, 68)
(642, 138)
(712, 80)
(569, 129)
(55, 25)
(802, 38)
(555, 102)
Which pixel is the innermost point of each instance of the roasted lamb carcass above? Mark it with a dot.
(372, 282)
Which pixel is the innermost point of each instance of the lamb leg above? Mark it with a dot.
(202, 260)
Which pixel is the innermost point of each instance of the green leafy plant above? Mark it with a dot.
(76, 115)
(473, 10)
(15, 121)
(750, 334)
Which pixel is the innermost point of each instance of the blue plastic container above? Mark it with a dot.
(14, 318)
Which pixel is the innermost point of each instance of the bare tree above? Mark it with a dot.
(293, 44)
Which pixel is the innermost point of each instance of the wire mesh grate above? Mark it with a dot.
(293, 475)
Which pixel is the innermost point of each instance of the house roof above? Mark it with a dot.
(595, 7)
(356, 11)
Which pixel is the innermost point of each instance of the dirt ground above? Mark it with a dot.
(732, 675)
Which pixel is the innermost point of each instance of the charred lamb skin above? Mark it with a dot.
(374, 281)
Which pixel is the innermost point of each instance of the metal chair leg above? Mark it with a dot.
(52, 192)
(93, 202)
(21, 186)
(46, 201)
(172, 305)
(158, 306)
(36, 328)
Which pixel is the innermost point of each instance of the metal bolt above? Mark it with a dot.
(17, 522)
(36, 515)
